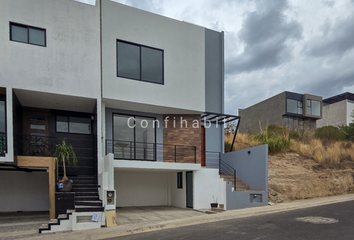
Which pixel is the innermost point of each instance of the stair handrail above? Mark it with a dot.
(228, 169)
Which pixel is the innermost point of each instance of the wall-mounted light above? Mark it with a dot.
(249, 152)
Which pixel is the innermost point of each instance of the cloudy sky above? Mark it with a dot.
(273, 46)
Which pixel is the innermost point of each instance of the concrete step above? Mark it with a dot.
(79, 190)
(83, 185)
(87, 198)
(86, 194)
(88, 208)
(89, 203)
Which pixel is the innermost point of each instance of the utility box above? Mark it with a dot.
(255, 198)
(110, 199)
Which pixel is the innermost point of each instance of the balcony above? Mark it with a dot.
(144, 151)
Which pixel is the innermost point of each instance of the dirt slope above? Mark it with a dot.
(292, 176)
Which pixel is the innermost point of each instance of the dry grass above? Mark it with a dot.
(242, 141)
(322, 151)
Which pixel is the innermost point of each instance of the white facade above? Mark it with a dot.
(183, 45)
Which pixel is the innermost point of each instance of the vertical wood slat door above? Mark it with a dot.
(36, 132)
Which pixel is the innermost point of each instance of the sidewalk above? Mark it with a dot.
(232, 214)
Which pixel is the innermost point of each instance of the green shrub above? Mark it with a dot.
(330, 134)
(300, 135)
(276, 137)
(347, 131)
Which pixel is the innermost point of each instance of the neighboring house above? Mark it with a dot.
(337, 110)
(139, 96)
(293, 110)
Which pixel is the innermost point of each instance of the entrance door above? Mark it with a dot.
(189, 189)
(35, 133)
(203, 148)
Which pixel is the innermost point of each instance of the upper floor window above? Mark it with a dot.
(313, 107)
(294, 106)
(69, 124)
(27, 34)
(139, 62)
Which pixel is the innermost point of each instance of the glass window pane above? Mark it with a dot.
(308, 111)
(128, 60)
(145, 138)
(308, 103)
(19, 33)
(151, 65)
(291, 106)
(62, 124)
(2, 117)
(79, 125)
(316, 108)
(37, 36)
(123, 145)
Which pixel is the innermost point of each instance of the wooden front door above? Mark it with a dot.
(35, 132)
(203, 148)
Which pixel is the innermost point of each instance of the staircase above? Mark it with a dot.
(86, 200)
(240, 185)
(228, 173)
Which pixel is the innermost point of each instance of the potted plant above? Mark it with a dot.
(65, 154)
(214, 204)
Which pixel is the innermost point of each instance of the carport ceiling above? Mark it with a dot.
(54, 101)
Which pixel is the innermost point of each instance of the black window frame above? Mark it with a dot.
(140, 62)
(134, 116)
(180, 180)
(68, 132)
(28, 27)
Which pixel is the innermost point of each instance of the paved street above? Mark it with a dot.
(337, 223)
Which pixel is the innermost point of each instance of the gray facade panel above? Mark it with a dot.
(214, 82)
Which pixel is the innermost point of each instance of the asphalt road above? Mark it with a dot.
(285, 225)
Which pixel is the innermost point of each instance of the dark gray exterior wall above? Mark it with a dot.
(251, 168)
(214, 86)
(267, 112)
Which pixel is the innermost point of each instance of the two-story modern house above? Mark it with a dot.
(139, 96)
(293, 110)
(337, 110)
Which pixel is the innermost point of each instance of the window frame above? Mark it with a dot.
(179, 180)
(28, 27)
(134, 116)
(68, 132)
(140, 62)
(299, 105)
(309, 107)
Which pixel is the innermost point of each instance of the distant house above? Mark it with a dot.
(294, 110)
(337, 110)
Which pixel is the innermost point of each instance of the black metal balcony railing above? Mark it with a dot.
(228, 172)
(144, 151)
(3, 144)
(34, 145)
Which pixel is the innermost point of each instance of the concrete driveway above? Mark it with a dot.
(16, 225)
(128, 215)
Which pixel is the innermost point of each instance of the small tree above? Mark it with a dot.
(65, 153)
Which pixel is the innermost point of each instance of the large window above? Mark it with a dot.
(27, 34)
(313, 107)
(139, 62)
(134, 137)
(294, 106)
(69, 124)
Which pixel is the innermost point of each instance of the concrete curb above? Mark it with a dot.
(130, 229)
